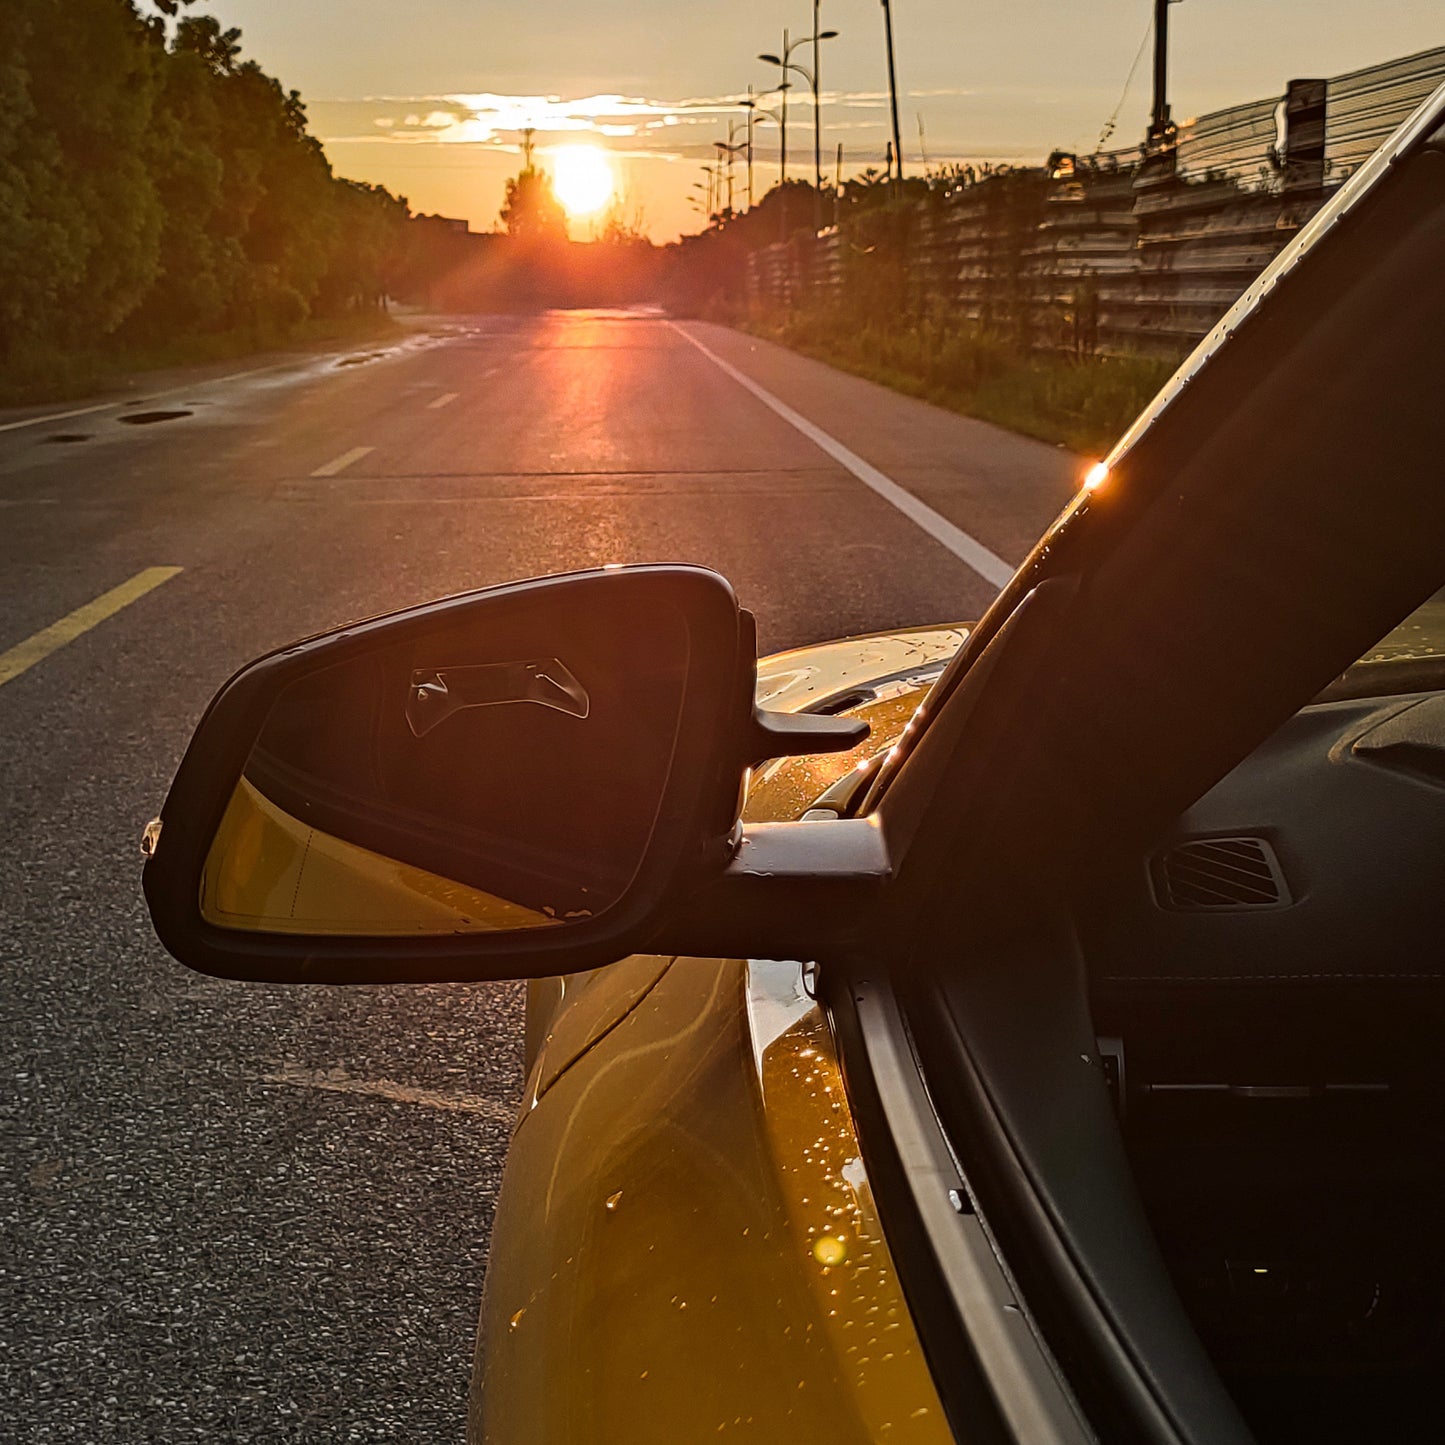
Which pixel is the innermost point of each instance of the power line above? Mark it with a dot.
(1112, 122)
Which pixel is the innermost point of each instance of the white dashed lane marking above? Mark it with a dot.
(340, 464)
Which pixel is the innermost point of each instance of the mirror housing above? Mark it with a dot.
(516, 782)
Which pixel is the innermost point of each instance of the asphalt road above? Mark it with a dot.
(261, 1214)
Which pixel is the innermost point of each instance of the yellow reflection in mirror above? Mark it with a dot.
(270, 872)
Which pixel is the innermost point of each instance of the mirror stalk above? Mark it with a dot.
(799, 734)
(792, 890)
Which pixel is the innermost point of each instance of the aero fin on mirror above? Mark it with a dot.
(796, 734)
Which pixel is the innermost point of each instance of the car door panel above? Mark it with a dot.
(686, 1240)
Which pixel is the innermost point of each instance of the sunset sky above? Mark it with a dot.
(429, 97)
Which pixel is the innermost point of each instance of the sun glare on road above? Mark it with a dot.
(583, 179)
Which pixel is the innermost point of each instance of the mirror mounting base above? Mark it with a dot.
(797, 734)
(792, 890)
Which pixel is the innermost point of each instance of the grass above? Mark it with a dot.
(1082, 403)
(49, 376)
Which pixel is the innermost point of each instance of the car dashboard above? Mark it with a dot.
(1268, 985)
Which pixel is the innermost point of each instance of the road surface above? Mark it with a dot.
(245, 1213)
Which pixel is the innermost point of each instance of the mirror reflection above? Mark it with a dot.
(505, 774)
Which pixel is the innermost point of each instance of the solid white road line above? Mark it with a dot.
(59, 415)
(969, 550)
(445, 399)
(341, 463)
(25, 655)
(149, 396)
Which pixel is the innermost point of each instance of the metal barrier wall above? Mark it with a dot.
(1123, 253)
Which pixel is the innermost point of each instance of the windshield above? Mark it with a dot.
(1419, 637)
(1408, 658)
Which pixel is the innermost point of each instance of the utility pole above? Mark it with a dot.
(1159, 122)
(893, 99)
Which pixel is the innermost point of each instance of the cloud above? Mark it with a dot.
(494, 121)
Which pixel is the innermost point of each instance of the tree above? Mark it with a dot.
(532, 211)
(154, 184)
(368, 248)
(82, 215)
(624, 223)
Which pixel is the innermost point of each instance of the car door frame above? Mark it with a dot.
(1228, 564)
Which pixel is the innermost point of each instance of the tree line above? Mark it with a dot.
(153, 184)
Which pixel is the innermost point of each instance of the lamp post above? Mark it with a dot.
(893, 98)
(785, 64)
(750, 105)
(745, 146)
(724, 160)
(713, 174)
(818, 37)
(729, 148)
(755, 110)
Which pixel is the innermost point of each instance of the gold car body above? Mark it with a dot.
(686, 1246)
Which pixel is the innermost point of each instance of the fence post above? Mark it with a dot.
(1302, 154)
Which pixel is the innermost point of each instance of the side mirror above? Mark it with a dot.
(509, 783)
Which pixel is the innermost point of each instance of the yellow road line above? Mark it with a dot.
(50, 639)
(340, 464)
(445, 399)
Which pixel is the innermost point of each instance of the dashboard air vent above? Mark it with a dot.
(1205, 874)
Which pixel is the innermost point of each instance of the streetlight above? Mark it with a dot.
(721, 150)
(784, 86)
(786, 63)
(818, 36)
(754, 110)
(750, 105)
(730, 148)
(893, 97)
(712, 174)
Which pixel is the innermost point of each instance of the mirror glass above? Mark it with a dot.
(499, 771)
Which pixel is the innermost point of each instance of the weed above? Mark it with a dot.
(1085, 403)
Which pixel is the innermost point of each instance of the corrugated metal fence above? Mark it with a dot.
(1129, 252)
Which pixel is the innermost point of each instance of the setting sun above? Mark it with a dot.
(583, 178)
